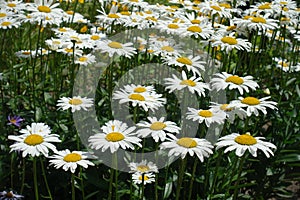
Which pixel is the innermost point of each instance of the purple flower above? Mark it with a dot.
(15, 120)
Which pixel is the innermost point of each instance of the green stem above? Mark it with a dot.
(81, 183)
(241, 162)
(180, 177)
(23, 176)
(192, 179)
(111, 184)
(36, 189)
(12, 171)
(45, 179)
(73, 186)
(143, 186)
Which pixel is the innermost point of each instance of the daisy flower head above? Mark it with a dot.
(70, 160)
(113, 47)
(157, 128)
(75, 103)
(230, 42)
(10, 196)
(207, 116)
(203, 31)
(142, 167)
(36, 140)
(261, 23)
(15, 120)
(192, 63)
(133, 88)
(115, 134)
(170, 27)
(85, 60)
(43, 10)
(244, 142)
(187, 145)
(165, 48)
(213, 8)
(145, 100)
(8, 23)
(138, 178)
(193, 84)
(223, 80)
(253, 105)
(283, 64)
(230, 110)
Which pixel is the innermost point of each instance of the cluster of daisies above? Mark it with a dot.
(220, 24)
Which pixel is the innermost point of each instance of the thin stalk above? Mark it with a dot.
(180, 177)
(11, 171)
(241, 162)
(111, 183)
(23, 176)
(36, 189)
(192, 180)
(73, 186)
(81, 183)
(45, 179)
(143, 186)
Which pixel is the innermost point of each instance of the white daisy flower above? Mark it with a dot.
(208, 116)
(25, 53)
(169, 27)
(228, 43)
(213, 8)
(137, 178)
(147, 101)
(165, 48)
(70, 160)
(36, 140)
(43, 10)
(187, 145)
(70, 51)
(85, 60)
(283, 64)
(132, 88)
(8, 23)
(193, 84)
(10, 196)
(143, 167)
(112, 17)
(115, 134)
(223, 80)
(203, 31)
(192, 63)
(230, 110)
(253, 105)
(244, 142)
(113, 47)
(75, 103)
(158, 129)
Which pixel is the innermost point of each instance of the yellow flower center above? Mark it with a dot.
(156, 126)
(187, 142)
(173, 26)
(12, 5)
(26, 52)
(140, 89)
(83, 59)
(229, 40)
(250, 101)
(205, 113)
(258, 20)
(285, 9)
(137, 97)
(285, 19)
(2, 14)
(5, 23)
(225, 5)
(184, 60)
(62, 30)
(9, 195)
(264, 6)
(72, 157)
(34, 139)
(75, 101)
(188, 83)
(143, 168)
(95, 37)
(224, 107)
(70, 12)
(125, 13)
(145, 177)
(195, 21)
(68, 50)
(283, 2)
(217, 8)
(44, 9)
(245, 139)
(230, 28)
(235, 79)
(114, 137)
(151, 18)
(112, 15)
(195, 29)
(283, 64)
(167, 48)
(115, 45)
